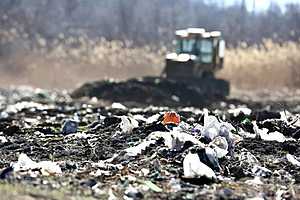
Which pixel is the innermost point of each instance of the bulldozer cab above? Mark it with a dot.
(197, 53)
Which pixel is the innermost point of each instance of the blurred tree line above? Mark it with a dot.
(144, 21)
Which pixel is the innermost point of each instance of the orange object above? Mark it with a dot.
(171, 118)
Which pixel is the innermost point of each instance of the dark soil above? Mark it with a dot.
(36, 130)
(158, 91)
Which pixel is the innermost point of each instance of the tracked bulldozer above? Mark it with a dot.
(187, 79)
(198, 55)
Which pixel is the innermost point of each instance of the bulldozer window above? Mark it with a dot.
(188, 46)
(206, 46)
(206, 49)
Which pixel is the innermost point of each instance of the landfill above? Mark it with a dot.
(94, 148)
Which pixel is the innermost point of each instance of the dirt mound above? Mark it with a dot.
(157, 91)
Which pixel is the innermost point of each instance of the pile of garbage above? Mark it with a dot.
(117, 152)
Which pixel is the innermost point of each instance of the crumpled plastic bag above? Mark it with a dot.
(46, 168)
(3, 139)
(136, 150)
(69, 126)
(174, 138)
(194, 168)
(213, 128)
(128, 124)
(220, 146)
(119, 106)
(292, 160)
(261, 171)
(264, 135)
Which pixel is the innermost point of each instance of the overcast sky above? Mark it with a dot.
(262, 4)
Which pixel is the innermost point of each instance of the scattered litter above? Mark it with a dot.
(236, 111)
(220, 145)
(101, 172)
(261, 171)
(248, 158)
(174, 185)
(136, 150)
(128, 124)
(118, 106)
(153, 118)
(171, 118)
(212, 158)
(152, 186)
(145, 172)
(46, 168)
(175, 139)
(3, 139)
(213, 128)
(4, 115)
(133, 193)
(175, 98)
(26, 105)
(115, 152)
(139, 118)
(256, 181)
(292, 160)
(69, 126)
(194, 168)
(272, 136)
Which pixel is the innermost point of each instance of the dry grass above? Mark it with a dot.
(268, 66)
(66, 62)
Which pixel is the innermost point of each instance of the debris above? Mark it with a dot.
(194, 168)
(292, 160)
(3, 139)
(152, 186)
(152, 119)
(256, 181)
(69, 126)
(264, 135)
(26, 105)
(171, 118)
(133, 193)
(273, 136)
(4, 115)
(101, 172)
(128, 124)
(6, 173)
(174, 185)
(211, 154)
(139, 118)
(129, 153)
(220, 146)
(213, 128)
(248, 158)
(134, 151)
(261, 171)
(145, 172)
(175, 139)
(236, 111)
(118, 106)
(46, 167)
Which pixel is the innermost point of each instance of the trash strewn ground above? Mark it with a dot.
(53, 146)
